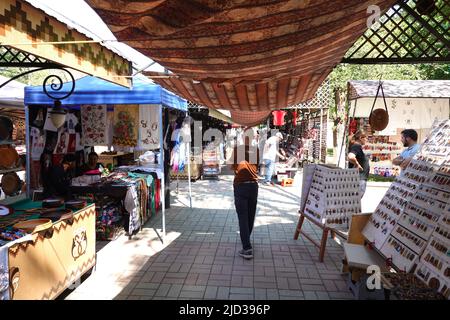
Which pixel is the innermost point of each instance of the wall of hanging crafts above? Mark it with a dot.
(10, 161)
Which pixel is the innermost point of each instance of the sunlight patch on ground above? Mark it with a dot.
(265, 220)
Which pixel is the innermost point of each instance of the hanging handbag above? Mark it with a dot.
(379, 118)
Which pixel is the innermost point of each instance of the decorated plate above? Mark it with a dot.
(5, 210)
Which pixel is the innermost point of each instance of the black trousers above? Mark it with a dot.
(245, 200)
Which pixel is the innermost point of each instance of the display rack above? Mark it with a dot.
(411, 225)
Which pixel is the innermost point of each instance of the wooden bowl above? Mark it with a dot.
(52, 203)
(57, 215)
(11, 183)
(33, 225)
(75, 204)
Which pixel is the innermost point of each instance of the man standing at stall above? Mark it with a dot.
(270, 154)
(409, 140)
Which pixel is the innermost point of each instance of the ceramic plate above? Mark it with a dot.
(5, 210)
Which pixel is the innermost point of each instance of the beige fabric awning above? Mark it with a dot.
(26, 28)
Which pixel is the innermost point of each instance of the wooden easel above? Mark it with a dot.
(325, 230)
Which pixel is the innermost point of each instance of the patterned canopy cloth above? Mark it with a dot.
(241, 55)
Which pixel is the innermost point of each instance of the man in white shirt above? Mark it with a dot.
(409, 140)
(270, 154)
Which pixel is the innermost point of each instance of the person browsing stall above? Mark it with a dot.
(59, 177)
(357, 159)
(409, 140)
(245, 162)
(270, 154)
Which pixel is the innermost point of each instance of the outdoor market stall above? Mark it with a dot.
(410, 228)
(104, 114)
(410, 105)
(407, 237)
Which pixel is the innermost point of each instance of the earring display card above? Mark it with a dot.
(432, 279)
(402, 256)
(333, 196)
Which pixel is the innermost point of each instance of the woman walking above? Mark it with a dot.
(245, 166)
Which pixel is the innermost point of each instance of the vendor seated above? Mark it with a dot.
(92, 163)
(59, 177)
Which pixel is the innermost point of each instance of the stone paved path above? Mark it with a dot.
(199, 257)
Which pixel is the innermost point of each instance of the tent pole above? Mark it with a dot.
(320, 134)
(161, 164)
(189, 163)
(28, 152)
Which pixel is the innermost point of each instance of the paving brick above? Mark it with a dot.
(173, 281)
(310, 295)
(191, 279)
(322, 295)
(143, 292)
(146, 285)
(202, 280)
(158, 276)
(241, 296)
(193, 288)
(282, 283)
(293, 284)
(260, 294)
(312, 287)
(191, 294)
(236, 280)
(235, 290)
(291, 293)
(247, 281)
(329, 285)
(223, 293)
(310, 281)
(178, 275)
(265, 285)
(211, 292)
(341, 295)
(272, 294)
(163, 290)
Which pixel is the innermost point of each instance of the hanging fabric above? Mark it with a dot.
(379, 118)
(126, 119)
(94, 125)
(38, 143)
(149, 127)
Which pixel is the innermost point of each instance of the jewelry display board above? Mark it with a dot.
(333, 196)
(411, 226)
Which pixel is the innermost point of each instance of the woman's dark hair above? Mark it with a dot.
(410, 133)
(357, 136)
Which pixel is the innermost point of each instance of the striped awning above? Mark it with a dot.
(241, 55)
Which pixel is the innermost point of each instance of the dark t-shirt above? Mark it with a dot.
(58, 182)
(363, 160)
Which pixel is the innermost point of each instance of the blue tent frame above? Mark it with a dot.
(94, 91)
(91, 90)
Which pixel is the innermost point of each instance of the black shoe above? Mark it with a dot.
(246, 254)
